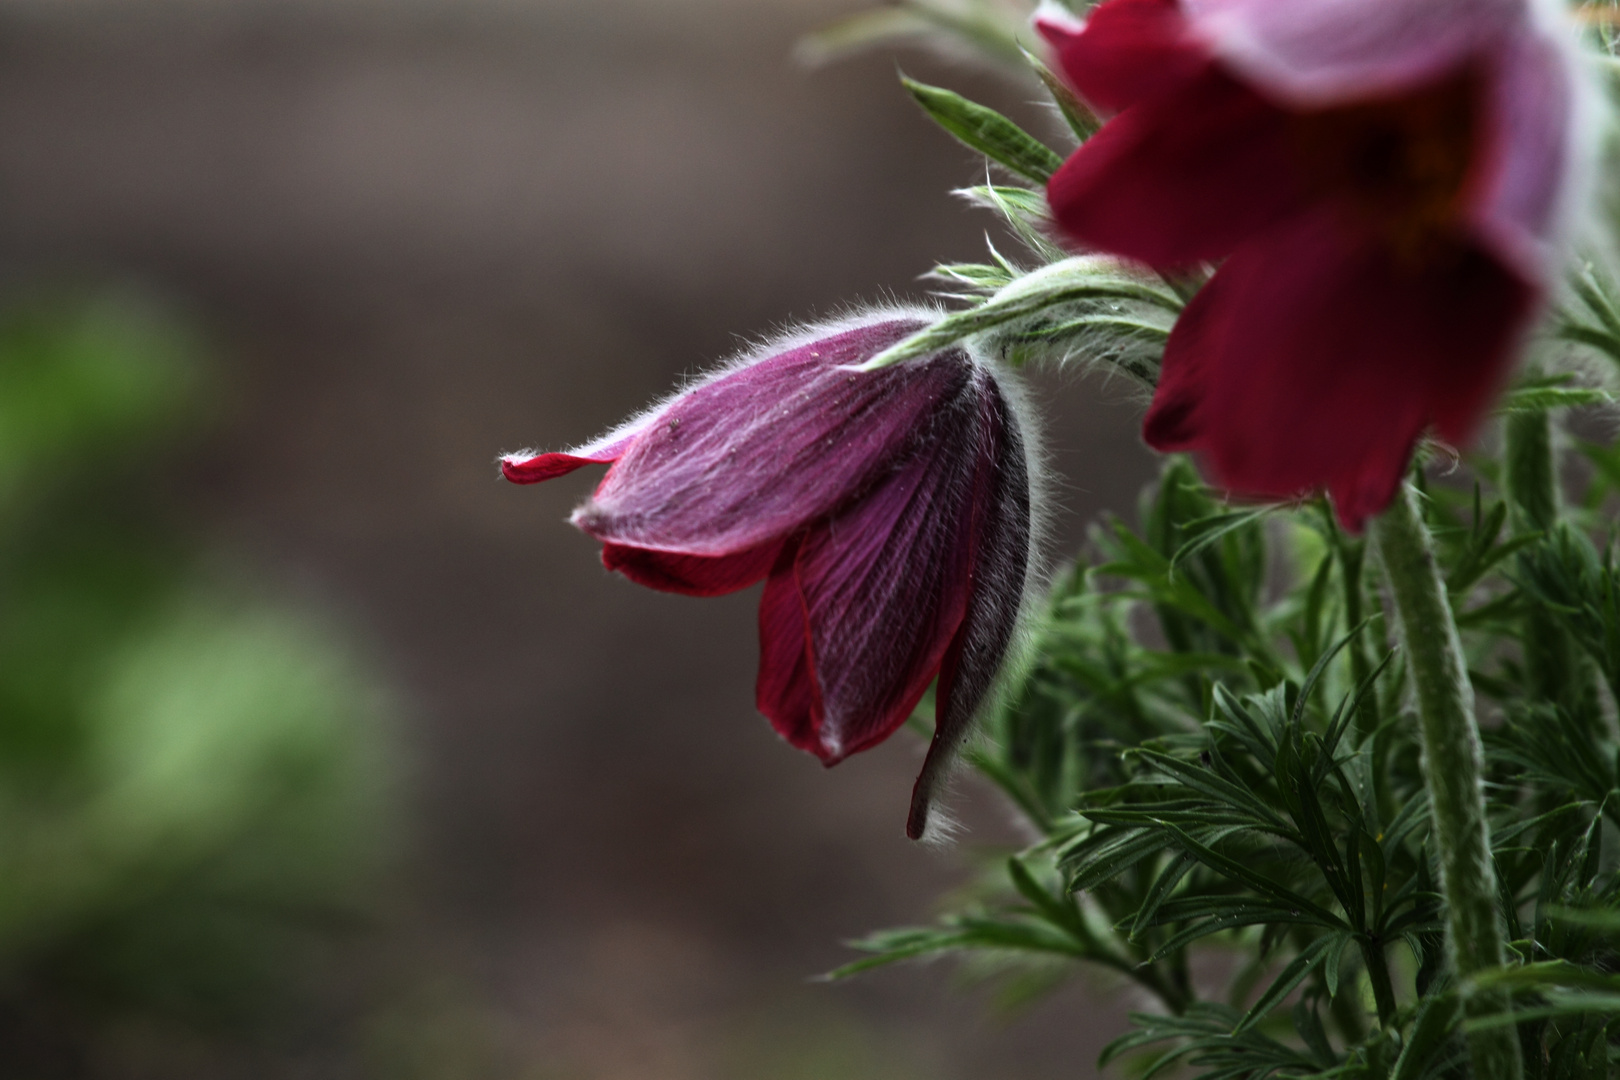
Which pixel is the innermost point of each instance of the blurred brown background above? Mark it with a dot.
(419, 233)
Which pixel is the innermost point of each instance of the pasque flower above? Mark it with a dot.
(1385, 181)
(888, 513)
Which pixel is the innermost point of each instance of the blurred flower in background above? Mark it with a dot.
(193, 785)
(1388, 183)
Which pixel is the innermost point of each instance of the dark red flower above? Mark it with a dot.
(1382, 182)
(887, 512)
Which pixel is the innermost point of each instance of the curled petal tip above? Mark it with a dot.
(528, 467)
(512, 464)
(532, 466)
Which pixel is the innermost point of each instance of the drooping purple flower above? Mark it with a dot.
(888, 513)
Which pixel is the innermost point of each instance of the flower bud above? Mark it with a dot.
(888, 513)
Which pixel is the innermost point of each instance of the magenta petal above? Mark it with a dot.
(1181, 179)
(1127, 51)
(1173, 422)
(753, 455)
(691, 575)
(1320, 52)
(532, 470)
(876, 612)
(1316, 357)
(786, 691)
(1481, 311)
(866, 609)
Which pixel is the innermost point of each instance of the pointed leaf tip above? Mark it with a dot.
(987, 131)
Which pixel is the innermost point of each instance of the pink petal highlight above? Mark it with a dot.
(750, 457)
(1328, 51)
(1521, 196)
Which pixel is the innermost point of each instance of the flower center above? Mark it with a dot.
(1403, 163)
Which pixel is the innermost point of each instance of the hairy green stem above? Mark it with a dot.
(1453, 766)
(1530, 477)
(1531, 474)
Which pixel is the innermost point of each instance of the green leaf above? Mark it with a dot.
(1254, 879)
(1330, 970)
(1290, 977)
(963, 933)
(1206, 531)
(862, 30)
(976, 277)
(1603, 919)
(1025, 213)
(1187, 907)
(956, 27)
(1604, 341)
(1081, 120)
(1083, 284)
(987, 131)
(1311, 1033)
(1558, 1004)
(1318, 668)
(1058, 910)
(1548, 975)
(1206, 782)
(1160, 891)
(1347, 710)
(1372, 855)
(1107, 853)
(1437, 1015)
(1541, 398)
(1249, 914)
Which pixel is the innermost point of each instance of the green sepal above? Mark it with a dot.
(1081, 120)
(983, 129)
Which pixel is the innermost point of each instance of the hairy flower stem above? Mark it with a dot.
(1453, 764)
(1531, 476)
(1531, 479)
